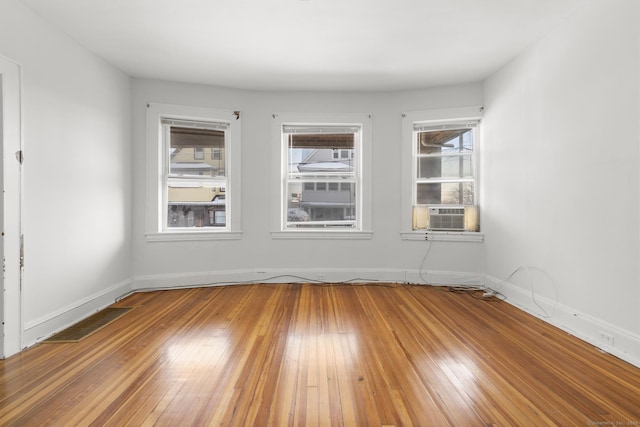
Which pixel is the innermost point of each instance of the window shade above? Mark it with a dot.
(196, 124)
(196, 137)
(302, 129)
(431, 127)
(320, 137)
(322, 141)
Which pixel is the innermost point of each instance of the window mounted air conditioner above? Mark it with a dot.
(445, 218)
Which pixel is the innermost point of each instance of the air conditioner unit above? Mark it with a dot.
(445, 218)
(449, 218)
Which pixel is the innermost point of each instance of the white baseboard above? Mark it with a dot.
(623, 344)
(315, 275)
(444, 278)
(43, 327)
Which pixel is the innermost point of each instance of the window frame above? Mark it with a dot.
(410, 120)
(362, 165)
(158, 173)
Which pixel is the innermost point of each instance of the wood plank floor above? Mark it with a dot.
(357, 355)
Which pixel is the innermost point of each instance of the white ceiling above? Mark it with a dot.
(308, 44)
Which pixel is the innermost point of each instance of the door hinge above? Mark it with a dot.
(19, 156)
(22, 252)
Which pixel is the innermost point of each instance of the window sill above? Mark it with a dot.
(444, 236)
(183, 236)
(322, 234)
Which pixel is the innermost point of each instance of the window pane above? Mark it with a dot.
(321, 153)
(450, 193)
(196, 207)
(196, 151)
(445, 167)
(445, 141)
(318, 162)
(321, 207)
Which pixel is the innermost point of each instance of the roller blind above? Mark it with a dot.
(191, 133)
(196, 124)
(431, 127)
(320, 137)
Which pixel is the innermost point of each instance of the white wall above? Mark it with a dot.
(560, 169)
(77, 173)
(385, 257)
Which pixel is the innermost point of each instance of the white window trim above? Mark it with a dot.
(155, 228)
(409, 170)
(278, 159)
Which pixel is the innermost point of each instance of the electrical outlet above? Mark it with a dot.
(320, 276)
(606, 338)
(259, 274)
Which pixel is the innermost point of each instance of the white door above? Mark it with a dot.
(10, 207)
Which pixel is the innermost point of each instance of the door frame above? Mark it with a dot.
(11, 208)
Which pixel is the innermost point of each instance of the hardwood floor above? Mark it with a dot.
(356, 355)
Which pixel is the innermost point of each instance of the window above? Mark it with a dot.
(194, 161)
(324, 182)
(194, 186)
(439, 154)
(444, 163)
(312, 169)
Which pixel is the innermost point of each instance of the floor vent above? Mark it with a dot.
(86, 327)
